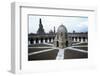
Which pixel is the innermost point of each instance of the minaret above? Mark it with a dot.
(40, 21)
(54, 29)
(40, 29)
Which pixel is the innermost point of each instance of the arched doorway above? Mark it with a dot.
(31, 41)
(37, 40)
(41, 40)
(79, 38)
(46, 40)
(49, 39)
(57, 44)
(75, 38)
(66, 43)
(84, 39)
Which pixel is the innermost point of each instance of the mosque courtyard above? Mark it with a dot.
(47, 51)
(57, 45)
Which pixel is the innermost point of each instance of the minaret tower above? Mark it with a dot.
(40, 29)
(54, 29)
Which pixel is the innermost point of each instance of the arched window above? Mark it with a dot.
(61, 34)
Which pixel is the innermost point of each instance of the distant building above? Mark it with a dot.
(51, 32)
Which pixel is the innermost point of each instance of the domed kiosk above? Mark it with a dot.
(61, 39)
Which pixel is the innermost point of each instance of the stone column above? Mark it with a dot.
(47, 40)
(43, 40)
(28, 42)
(86, 40)
(39, 41)
(34, 41)
(51, 40)
(77, 39)
(74, 39)
(81, 39)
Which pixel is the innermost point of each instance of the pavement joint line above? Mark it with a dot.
(39, 47)
(40, 51)
(84, 51)
(48, 44)
(80, 43)
(45, 47)
(80, 46)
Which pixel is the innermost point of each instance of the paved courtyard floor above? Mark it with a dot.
(48, 52)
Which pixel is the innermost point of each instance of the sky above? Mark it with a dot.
(79, 24)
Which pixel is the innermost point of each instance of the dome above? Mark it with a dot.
(62, 29)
